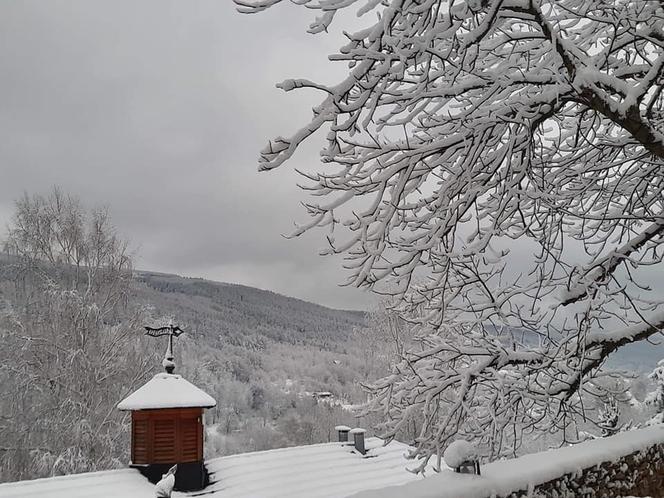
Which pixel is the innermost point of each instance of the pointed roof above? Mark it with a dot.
(167, 391)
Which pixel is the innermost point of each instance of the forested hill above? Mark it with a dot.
(244, 316)
(261, 355)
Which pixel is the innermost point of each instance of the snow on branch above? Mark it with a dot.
(496, 165)
(605, 266)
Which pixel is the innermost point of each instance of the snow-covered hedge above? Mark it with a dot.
(629, 463)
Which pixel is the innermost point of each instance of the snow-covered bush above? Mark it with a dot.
(608, 418)
(655, 398)
(458, 452)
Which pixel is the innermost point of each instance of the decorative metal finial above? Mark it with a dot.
(171, 331)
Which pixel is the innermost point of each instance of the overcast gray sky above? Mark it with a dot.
(158, 109)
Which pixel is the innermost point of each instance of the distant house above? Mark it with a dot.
(328, 470)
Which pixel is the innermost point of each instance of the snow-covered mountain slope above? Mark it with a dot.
(242, 314)
(329, 470)
(234, 314)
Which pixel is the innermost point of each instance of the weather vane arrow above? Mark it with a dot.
(171, 331)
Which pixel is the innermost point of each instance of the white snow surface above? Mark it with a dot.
(506, 476)
(334, 470)
(164, 488)
(107, 484)
(328, 470)
(167, 391)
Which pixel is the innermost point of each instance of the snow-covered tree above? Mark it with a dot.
(380, 341)
(68, 355)
(655, 398)
(608, 418)
(462, 128)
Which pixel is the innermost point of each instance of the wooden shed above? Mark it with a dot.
(167, 428)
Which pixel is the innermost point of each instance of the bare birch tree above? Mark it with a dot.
(497, 165)
(64, 340)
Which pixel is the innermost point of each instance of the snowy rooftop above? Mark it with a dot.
(333, 470)
(329, 470)
(167, 391)
(111, 483)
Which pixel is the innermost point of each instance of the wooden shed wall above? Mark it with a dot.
(172, 435)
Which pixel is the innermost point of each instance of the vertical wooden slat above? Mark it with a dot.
(199, 424)
(178, 439)
(133, 441)
(165, 440)
(190, 440)
(151, 440)
(140, 439)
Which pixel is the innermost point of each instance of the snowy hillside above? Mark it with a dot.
(239, 314)
(262, 353)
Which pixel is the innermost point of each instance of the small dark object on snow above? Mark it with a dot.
(342, 431)
(468, 467)
(462, 456)
(358, 440)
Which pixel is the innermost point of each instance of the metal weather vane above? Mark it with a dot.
(171, 331)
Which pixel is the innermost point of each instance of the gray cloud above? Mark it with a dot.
(158, 109)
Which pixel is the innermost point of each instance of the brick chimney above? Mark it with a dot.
(358, 440)
(342, 432)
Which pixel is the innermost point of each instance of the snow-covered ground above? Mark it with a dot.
(329, 470)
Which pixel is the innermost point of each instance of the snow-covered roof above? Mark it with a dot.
(107, 484)
(329, 470)
(167, 391)
(334, 470)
